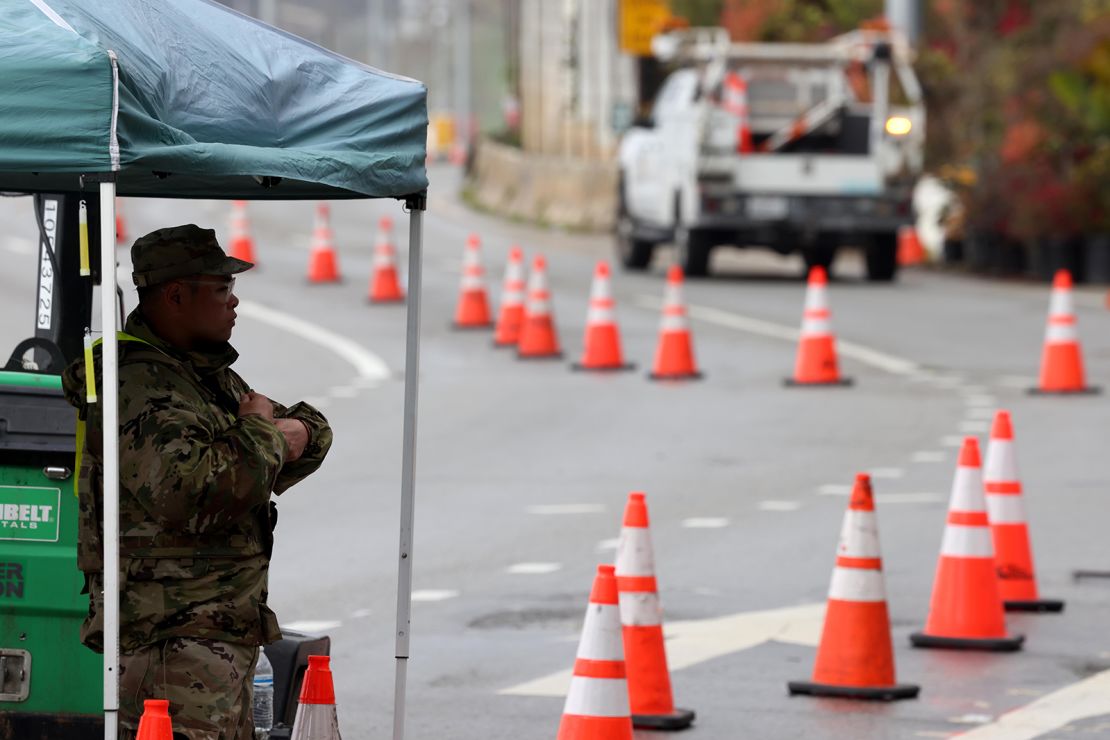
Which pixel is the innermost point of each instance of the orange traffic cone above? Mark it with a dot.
(322, 264)
(816, 361)
(855, 658)
(538, 339)
(597, 702)
(603, 340)
(384, 285)
(649, 681)
(240, 246)
(966, 610)
(674, 355)
(910, 251)
(121, 224)
(1062, 360)
(1013, 556)
(511, 316)
(155, 724)
(472, 310)
(734, 99)
(316, 717)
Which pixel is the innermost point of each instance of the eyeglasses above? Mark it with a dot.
(220, 291)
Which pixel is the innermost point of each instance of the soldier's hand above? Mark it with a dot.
(296, 435)
(252, 403)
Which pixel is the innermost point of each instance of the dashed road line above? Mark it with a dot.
(980, 400)
(607, 545)
(974, 426)
(929, 456)
(980, 412)
(361, 613)
(313, 626)
(779, 505)
(556, 509)
(432, 594)
(19, 245)
(343, 391)
(887, 473)
(909, 498)
(533, 569)
(834, 489)
(1087, 698)
(952, 440)
(1017, 381)
(705, 522)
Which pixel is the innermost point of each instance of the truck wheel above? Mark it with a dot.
(633, 253)
(693, 247)
(882, 258)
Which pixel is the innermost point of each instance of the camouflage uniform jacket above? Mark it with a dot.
(195, 482)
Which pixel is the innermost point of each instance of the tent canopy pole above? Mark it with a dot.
(416, 206)
(109, 406)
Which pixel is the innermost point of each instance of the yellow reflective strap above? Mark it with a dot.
(83, 234)
(78, 454)
(90, 371)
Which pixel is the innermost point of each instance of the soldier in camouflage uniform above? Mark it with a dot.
(200, 454)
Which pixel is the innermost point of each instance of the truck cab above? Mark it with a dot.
(799, 148)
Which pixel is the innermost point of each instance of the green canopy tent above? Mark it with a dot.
(193, 100)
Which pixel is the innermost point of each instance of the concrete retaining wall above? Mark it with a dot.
(576, 194)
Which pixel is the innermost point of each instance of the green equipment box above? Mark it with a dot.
(50, 684)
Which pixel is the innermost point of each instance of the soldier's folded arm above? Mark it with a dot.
(319, 442)
(185, 472)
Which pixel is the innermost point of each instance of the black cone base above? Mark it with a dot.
(471, 327)
(997, 644)
(606, 369)
(871, 693)
(679, 720)
(1034, 605)
(685, 376)
(1079, 575)
(552, 356)
(842, 383)
(1089, 391)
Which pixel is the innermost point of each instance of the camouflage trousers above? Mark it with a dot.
(208, 683)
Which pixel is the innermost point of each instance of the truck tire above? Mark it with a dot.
(633, 253)
(693, 247)
(882, 258)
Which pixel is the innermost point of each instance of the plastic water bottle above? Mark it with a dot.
(263, 696)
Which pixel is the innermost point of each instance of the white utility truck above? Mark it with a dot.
(795, 147)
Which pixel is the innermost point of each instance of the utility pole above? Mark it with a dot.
(905, 15)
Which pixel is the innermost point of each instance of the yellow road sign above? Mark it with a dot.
(639, 21)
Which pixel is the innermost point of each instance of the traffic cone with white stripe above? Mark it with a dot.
(966, 609)
(816, 360)
(155, 724)
(597, 702)
(1013, 555)
(538, 339)
(855, 658)
(649, 680)
(240, 245)
(734, 99)
(322, 264)
(674, 355)
(1062, 359)
(510, 317)
(121, 224)
(385, 287)
(472, 309)
(316, 717)
(603, 340)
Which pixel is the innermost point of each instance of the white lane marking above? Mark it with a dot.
(318, 401)
(361, 613)
(1017, 381)
(533, 569)
(970, 719)
(909, 498)
(19, 245)
(366, 363)
(975, 389)
(780, 505)
(948, 381)
(929, 456)
(866, 355)
(606, 545)
(974, 426)
(978, 399)
(952, 440)
(834, 489)
(566, 509)
(433, 594)
(980, 412)
(694, 641)
(1087, 698)
(343, 391)
(705, 522)
(887, 473)
(312, 626)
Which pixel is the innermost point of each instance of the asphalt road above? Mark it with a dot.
(524, 468)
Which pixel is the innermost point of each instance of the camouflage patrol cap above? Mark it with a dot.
(180, 251)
